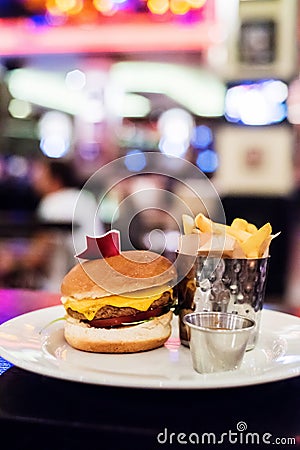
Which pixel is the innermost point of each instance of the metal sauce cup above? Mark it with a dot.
(213, 284)
(218, 341)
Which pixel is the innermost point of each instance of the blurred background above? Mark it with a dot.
(85, 82)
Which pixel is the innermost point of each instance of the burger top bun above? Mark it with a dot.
(130, 271)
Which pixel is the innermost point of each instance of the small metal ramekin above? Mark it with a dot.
(218, 341)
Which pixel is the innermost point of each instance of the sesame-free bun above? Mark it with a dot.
(130, 271)
(129, 339)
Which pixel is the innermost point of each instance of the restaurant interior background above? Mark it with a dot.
(211, 82)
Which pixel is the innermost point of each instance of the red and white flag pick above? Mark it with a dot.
(109, 244)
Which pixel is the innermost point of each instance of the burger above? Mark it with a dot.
(119, 304)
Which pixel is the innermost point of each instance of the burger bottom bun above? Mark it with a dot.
(128, 339)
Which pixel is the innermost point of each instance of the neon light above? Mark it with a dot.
(196, 90)
(19, 39)
(199, 91)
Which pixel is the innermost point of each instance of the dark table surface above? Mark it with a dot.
(48, 413)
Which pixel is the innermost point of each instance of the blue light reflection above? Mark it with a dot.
(4, 365)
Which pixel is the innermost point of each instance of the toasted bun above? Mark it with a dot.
(130, 271)
(129, 339)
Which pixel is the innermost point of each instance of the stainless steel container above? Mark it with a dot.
(216, 284)
(218, 340)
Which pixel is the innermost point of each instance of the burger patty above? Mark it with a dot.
(109, 311)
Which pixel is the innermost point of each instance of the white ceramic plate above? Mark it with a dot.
(29, 342)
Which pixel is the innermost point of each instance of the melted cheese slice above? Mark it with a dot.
(140, 300)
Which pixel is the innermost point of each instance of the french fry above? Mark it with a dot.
(240, 235)
(188, 224)
(203, 223)
(206, 225)
(254, 245)
(264, 246)
(250, 242)
(239, 224)
(251, 228)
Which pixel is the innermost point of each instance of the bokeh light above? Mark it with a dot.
(197, 3)
(179, 7)
(71, 7)
(260, 103)
(171, 148)
(55, 131)
(207, 161)
(19, 109)
(201, 136)
(106, 7)
(175, 127)
(135, 160)
(158, 6)
(54, 146)
(52, 8)
(17, 166)
(87, 10)
(75, 80)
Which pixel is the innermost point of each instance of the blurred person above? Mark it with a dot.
(62, 195)
(63, 200)
(51, 251)
(27, 266)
